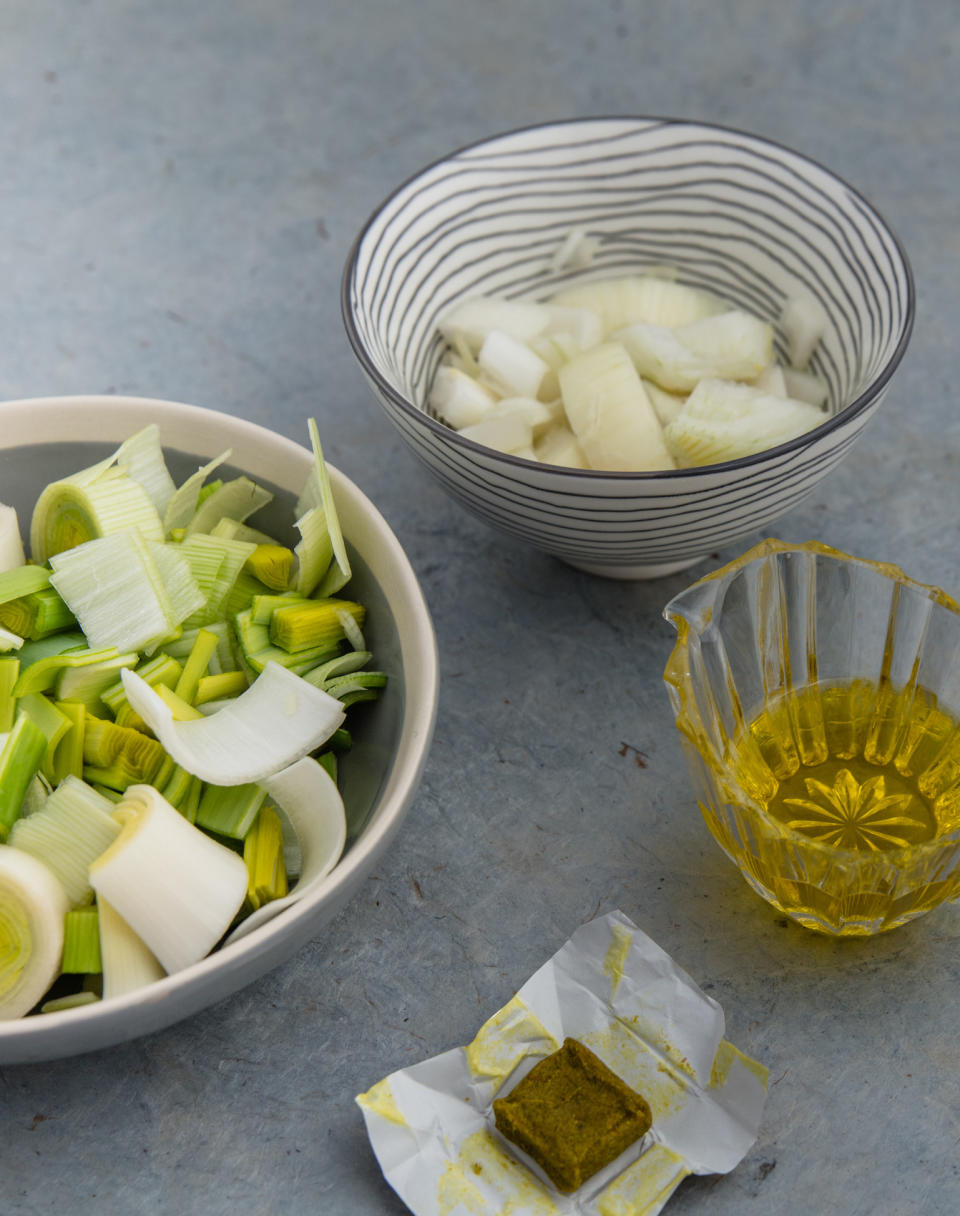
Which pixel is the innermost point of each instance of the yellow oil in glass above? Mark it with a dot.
(856, 767)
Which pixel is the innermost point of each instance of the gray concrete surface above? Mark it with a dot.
(179, 184)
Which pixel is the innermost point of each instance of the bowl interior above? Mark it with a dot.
(729, 212)
(378, 776)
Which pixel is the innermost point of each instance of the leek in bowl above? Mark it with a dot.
(47, 441)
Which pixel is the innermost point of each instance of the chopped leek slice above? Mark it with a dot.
(235, 499)
(263, 857)
(319, 528)
(81, 942)
(309, 798)
(229, 810)
(84, 683)
(311, 623)
(119, 756)
(233, 529)
(360, 686)
(72, 1000)
(224, 685)
(43, 674)
(36, 615)
(272, 565)
(93, 503)
(196, 665)
(215, 564)
(21, 581)
(9, 674)
(51, 721)
(161, 669)
(21, 755)
(279, 719)
(183, 504)
(353, 660)
(71, 829)
(11, 546)
(141, 457)
(176, 887)
(33, 905)
(128, 963)
(124, 593)
(68, 755)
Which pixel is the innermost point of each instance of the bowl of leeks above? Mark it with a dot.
(226, 694)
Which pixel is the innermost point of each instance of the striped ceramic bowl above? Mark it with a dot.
(742, 217)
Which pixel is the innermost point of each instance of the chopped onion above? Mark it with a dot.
(804, 322)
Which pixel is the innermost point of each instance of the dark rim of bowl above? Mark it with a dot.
(851, 410)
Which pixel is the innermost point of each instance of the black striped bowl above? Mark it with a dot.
(742, 217)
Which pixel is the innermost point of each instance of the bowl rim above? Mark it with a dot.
(850, 411)
(167, 1000)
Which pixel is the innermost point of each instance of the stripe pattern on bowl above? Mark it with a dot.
(733, 214)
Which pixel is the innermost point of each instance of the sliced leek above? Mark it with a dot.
(33, 905)
(128, 963)
(279, 718)
(175, 887)
(311, 801)
(94, 503)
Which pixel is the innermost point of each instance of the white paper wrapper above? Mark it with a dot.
(611, 987)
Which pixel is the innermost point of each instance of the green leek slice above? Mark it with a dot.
(322, 562)
(183, 503)
(9, 674)
(312, 623)
(235, 499)
(263, 857)
(20, 758)
(36, 615)
(229, 810)
(81, 942)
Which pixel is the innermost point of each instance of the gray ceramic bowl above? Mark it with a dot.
(43, 439)
(737, 215)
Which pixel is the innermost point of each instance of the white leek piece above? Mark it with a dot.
(804, 323)
(141, 456)
(506, 433)
(558, 445)
(128, 962)
(323, 566)
(32, 907)
(732, 345)
(510, 367)
(11, 546)
(724, 421)
(177, 888)
(609, 412)
(123, 593)
(311, 802)
(459, 399)
(474, 319)
(72, 828)
(93, 503)
(279, 719)
(647, 299)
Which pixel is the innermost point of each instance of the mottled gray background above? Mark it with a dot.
(179, 185)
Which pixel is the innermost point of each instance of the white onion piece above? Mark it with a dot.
(279, 719)
(509, 367)
(804, 323)
(309, 798)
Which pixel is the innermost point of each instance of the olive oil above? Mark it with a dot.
(854, 767)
